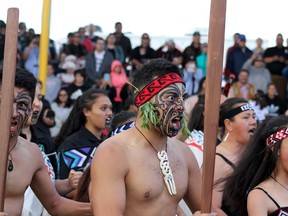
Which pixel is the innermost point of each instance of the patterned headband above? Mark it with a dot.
(278, 136)
(156, 86)
(236, 111)
(122, 128)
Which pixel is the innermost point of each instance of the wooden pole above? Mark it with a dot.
(44, 43)
(212, 97)
(7, 92)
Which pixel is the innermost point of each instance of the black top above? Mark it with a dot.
(225, 207)
(280, 211)
(275, 106)
(275, 67)
(76, 152)
(226, 160)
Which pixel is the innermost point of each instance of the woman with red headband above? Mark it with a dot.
(237, 120)
(259, 184)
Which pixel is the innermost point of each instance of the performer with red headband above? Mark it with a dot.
(259, 184)
(144, 170)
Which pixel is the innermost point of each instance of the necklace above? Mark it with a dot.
(278, 182)
(164, 165)
(10, 160)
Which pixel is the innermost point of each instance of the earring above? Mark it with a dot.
(226, 137)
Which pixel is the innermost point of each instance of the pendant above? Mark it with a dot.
(10, 165)
(167, 172)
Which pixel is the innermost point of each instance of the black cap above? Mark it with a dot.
(196, 33)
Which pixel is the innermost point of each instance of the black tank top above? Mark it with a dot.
(224, 207)
(280, 211)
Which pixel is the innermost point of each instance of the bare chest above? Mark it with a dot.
(19, 178)
(145, 180)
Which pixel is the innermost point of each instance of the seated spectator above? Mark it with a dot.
(274, 103)
(259, 75)
(260, 106)
(241, 88)
(69, 66)
(169, 51)
(79, 86)
(62, 107)
(192, 77)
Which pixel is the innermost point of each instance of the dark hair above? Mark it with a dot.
(201, 84)
(196, 117)
(225, 107)
(120, 118)
(81, 72)
(23, 79)
(256, 165)
(76, 118)
(128, 102)
(82, 192)
(69, 102)
(118, 23)
(151, 70)
(260, 99)
(244, 70)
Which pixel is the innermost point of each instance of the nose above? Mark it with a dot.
(180, 105)
(253, 121)
(14, 113)
(109, 112)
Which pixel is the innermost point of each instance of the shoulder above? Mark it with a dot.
(29, 149)
(110, 153)
(182, 149)
(70, 140)
(257, 200)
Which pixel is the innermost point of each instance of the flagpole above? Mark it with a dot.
(7, 92)
(212, 97)
(44, 43)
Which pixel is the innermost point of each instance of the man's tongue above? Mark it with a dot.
(176, 125)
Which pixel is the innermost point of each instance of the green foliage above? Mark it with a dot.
(148, 115)
(185, 130)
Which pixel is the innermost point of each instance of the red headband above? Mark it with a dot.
(155, 86)
(279, 135)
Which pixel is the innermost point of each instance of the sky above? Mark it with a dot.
(159, 18)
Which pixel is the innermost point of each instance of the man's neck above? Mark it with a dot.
(156, 139)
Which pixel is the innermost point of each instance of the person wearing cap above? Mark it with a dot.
(193, 50)
(259, 75)
(238, 56)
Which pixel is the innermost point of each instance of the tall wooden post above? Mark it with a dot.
(44, 43)
(7, 92)
(212, 97)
